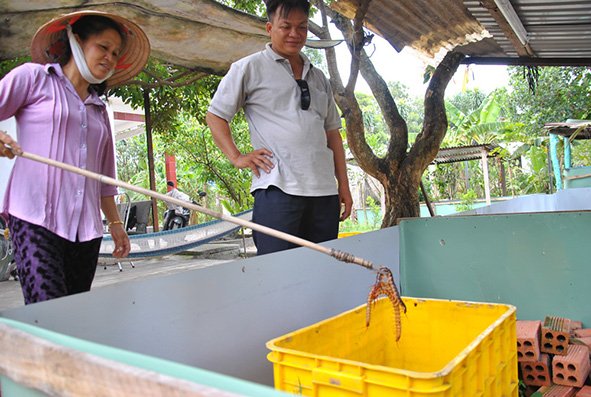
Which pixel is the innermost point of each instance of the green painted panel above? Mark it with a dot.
(583, 180)
(540, 262)
(10, 388)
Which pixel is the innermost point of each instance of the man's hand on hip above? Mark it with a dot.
(255, 160)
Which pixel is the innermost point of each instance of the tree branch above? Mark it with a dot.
(435, 124)
(331, 59)
(396, 124)
(348, 103)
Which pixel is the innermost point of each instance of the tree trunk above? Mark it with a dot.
(402, 198)
(401, 169)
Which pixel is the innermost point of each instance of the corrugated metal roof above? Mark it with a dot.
(556, 28)
(463, 153)
(426, 25)
(581, 128)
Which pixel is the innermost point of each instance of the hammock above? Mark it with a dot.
(170, 242)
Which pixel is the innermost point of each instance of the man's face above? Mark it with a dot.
(288, 35)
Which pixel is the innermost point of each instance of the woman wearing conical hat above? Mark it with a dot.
(54, 215)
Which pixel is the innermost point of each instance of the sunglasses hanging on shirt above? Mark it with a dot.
(305, 91)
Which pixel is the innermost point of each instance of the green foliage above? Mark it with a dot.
(173, 89)
(562, 93)
(428, 73)
(199, 160)
(200, 165)
(317, 59)
(178, 108)
(411, 108)
(467, 201)
(8, 65)
(371, 221)
(482, 124)
(248, 6)
(376, 130)
(467, 102)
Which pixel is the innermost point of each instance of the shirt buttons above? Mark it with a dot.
(78, 192)
(83, 146)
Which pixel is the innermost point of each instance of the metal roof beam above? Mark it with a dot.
(509, 22)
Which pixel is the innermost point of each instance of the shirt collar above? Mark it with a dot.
(276, 57)
(56, 68)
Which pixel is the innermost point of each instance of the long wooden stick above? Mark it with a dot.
(340, 255)
(71, 372)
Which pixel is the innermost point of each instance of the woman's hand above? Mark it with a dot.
(8, 146)
(121, 240)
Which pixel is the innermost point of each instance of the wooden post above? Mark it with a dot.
(484, 160)
(467, 175)
(151, 158)
(502, 177)
(427, 201)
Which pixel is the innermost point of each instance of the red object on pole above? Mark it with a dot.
(170, 164)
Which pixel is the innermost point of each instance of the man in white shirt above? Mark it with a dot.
(177, 194)
(300, 182)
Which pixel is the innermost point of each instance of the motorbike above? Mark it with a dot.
(174, 219)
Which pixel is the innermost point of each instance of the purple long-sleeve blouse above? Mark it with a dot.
(52, 121)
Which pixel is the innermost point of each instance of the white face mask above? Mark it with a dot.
(78, 55)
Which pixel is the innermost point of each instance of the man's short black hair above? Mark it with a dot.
(286, 7)
(170, 183)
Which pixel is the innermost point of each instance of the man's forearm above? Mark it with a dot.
(335, 143)
(222, 136)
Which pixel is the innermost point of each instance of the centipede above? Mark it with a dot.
(386, 286)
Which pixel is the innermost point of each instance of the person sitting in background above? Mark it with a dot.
(175, 209)
(54, 215)
(177, 194)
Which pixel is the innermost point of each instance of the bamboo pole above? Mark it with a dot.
(337, 254)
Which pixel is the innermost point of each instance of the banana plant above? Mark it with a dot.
(483, 125)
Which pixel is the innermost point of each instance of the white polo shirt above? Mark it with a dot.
(263, 85)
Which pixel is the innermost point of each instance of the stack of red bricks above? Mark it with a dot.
(554, 357)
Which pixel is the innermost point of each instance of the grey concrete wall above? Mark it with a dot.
(219, 318)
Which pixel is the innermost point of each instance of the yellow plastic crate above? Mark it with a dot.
(447, 348)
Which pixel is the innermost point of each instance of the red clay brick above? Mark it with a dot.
(572, 369)
(557, 391)
(582, 333)
(583, 341)
(575, 325)
(584, 392)
(528, 340)
(555, 335)
(537, 373)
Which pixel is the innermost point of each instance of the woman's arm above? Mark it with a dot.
(120, 238)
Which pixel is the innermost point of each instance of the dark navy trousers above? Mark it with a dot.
(314, 219)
